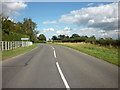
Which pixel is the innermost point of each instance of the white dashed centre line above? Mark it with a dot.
(60, 72)
(63, 77)
(54, 54)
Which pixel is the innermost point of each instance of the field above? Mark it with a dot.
(17, 51)
(109, 54)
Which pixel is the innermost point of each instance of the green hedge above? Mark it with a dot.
(38, 41)
(10, 36)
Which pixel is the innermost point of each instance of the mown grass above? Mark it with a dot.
(109, 54)
(17, 51)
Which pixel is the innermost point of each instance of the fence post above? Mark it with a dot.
(22, 43)
(8, 45)
(11, 45)
(5, 45)
(25, 43)
(15, 43)
(0, 46)
(18, 44)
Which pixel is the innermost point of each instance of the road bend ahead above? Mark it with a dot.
(53, 66)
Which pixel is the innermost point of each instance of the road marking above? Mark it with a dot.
(52, 47)
(60, 72)
(54, 54)
(62, 76)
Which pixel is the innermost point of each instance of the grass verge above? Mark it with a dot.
(109, 54)
(17, 51)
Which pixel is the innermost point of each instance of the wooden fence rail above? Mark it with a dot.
(9, 45)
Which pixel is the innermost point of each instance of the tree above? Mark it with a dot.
(91, 40)
(67, 37)
(19, 28)
(54, 38)
(74, 36)
(42, 37)
(36, 32)
(61, 37)
(29, 27)
(7, 25)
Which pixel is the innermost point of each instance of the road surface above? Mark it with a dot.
(54, 66)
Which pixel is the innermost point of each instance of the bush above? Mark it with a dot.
(38, 41)
(10, 36)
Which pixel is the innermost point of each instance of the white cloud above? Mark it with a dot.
(103, 17)
(66, 31)
(63, 32)
(91, 21)
(12, 8)
(86, 31)
(97, 33)
(49, 22)
(48, 29)
(90, 4)
(16, 0)
(112, 34)
(102, 31)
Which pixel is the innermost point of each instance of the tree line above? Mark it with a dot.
(15, 31)
(77, 38)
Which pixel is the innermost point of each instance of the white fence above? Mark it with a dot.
(9, 45)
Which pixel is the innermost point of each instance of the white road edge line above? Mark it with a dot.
(62, 76)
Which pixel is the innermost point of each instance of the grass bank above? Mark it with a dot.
(17, 51)
(109, 54)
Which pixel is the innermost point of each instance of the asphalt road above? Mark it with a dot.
(53, 66)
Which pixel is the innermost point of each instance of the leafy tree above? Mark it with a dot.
(67, 37)
(54, 38)
(74, 36)
(36, 32)
(29, 27)
(19, 28)
(42, 37)
(91, 40)
(61, 37)
(7, 25)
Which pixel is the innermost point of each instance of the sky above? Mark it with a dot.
(55, 18)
